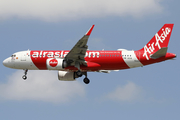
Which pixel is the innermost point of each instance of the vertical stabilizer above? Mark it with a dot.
(160, 40)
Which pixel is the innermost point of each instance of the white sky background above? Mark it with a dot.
(127, 93)
(44, 86)
(149, 93)
(41, 86)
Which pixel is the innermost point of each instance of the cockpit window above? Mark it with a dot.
(13, 55)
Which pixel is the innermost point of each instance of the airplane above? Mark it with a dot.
(74, 63)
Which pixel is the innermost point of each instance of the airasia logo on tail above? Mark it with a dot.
(53, 63)
(162, 37)
(149, 48)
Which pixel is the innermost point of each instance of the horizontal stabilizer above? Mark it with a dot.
(161, 52)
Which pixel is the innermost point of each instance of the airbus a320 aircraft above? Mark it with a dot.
(79, 60)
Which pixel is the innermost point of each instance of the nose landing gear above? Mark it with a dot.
(25, 73)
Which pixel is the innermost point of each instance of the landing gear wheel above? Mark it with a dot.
(24, 77)
(25, 73)
(86, 80)
(79, 73)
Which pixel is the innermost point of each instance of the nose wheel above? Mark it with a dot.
(24, 77)
(25, 73)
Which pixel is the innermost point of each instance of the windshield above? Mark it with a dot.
(13, 55)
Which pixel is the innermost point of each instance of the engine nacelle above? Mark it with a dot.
(66, 76)
(56, 64)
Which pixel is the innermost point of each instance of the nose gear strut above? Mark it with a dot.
(25, 73)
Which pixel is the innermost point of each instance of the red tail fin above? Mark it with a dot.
(160, 40)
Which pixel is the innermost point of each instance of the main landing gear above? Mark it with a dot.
(25, 73)
(79, 74)
(86, 80)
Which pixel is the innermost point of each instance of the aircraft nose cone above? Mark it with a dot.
(5, 62)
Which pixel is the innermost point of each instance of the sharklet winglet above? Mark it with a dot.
(89, 31)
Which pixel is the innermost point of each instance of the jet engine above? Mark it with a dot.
(66, 76)
(56, 64)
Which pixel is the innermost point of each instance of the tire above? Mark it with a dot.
(24, 77)
(86, 80)
(79, 73)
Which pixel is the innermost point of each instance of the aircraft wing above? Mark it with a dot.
(76, 55)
